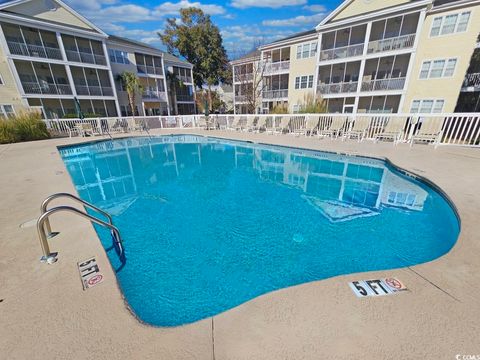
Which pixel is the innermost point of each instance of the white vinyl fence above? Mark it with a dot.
(453, 129)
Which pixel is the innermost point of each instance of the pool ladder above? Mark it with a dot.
(45, 231)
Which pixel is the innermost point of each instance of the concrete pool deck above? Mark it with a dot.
(44, 313)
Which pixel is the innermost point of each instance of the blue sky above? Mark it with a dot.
(243, 22)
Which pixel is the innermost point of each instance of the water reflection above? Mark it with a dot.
(114, 175)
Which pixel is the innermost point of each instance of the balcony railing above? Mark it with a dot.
(84, 57)
(184, 79)
(394, 43)
(185, 98)
(243, 77)
(276, 67)
(240, 98)
(19, 48)
(275, 94)
(341, 52)
(148, 69)
(472, 80)
(159, 95)
(92, 90)
(338, 88)
(383, 84)
(48, 89)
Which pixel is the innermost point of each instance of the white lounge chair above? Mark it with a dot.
(270, 124)
(261, 124)
(393, 130)
(359, 129)
(234, 123)
(250, 123)
(430, 131)
(336, 127)
(87, 129)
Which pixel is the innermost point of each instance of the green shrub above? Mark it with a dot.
(23, 127)
(280, 109)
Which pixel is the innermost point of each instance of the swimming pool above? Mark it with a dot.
(209, 224)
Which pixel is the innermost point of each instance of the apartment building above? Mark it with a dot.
(371, 56)
(54, 59)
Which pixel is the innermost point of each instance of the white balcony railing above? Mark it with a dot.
(19, 48)
(184, 79)
(158, 95)
(243, 77)
(84, 57)
(390, 44)
(240, 98)
(185, 98)
(471, 81)
(338, 88)
(93, 90)
(275, 94)
(148, 69)
(47, 89)
(383, 84)
(276, 67)
(341, 52)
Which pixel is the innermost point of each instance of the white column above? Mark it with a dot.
(411, 62)
(317, 65)
(110, 75)
(67, 67)
(194, 93)
(362, 65)
(165, 85)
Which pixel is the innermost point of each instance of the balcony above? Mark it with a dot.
(184, 79)
(471, 82)
(275, 94)
(92, 90)
(46, 88)
(156, 95)
(341, 52)
(337, 88)
(18, 48)
(391, 44)
(240, 98)
(87, 58)
(383, 84)
(276, 67)
(150, 70)
(185, 98)
(243, 77)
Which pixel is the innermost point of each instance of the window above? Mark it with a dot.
(425, 70)
(450, 68)
(438, 68)
(427, 106)
(304, 82)
(297, 82)
(6, 110)
(117, 56)
(306, 50)
(450, 24)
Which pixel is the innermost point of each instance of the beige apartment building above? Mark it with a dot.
(368, 56)
(54, 59)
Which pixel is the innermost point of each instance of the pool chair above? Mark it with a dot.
(261, 124)
(336, 127)
(358, 130)
(232, 125)
(430, 131)
(283, 127)
(311, 125)
(87, 129)
(393, 130)
(202, 122)
(250, 123)
(270, 124)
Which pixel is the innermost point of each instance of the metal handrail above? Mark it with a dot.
(43, 209)
(49, 257)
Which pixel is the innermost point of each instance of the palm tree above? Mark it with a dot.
(173, 82)
(133, 86)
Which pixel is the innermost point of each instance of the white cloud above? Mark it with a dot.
(274, 4)
(169, 8)
(315, 8)
(122, 13)
(296, 21)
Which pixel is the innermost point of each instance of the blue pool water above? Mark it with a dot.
(208, 224)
